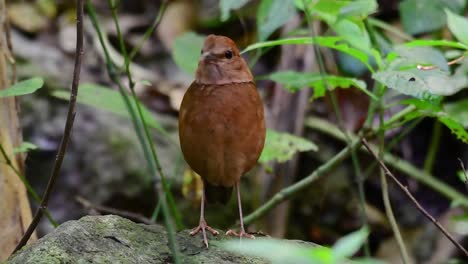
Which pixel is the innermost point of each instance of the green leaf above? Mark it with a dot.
(106, 99)
(436, 111)
(435, 43)
(24, 147)
(458, 25)
(280, 251)
(186, 51)
(425, 16)
(282, 146)
(227, 5)
(426, 85)
(347, 246)
(458, 111)
(329, 42)
(22, 88)
(426, 56)
(295, 81)
(359, 8)
(354, 32)
(273, 14)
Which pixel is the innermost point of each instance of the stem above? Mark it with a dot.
(149, 31)
(26, 183)
(433, 147)
(295, 188)
(67, 130)
(356, 166)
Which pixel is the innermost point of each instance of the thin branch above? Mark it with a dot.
(68, 127)
(432, 67)
(411, 197)
(109, 210)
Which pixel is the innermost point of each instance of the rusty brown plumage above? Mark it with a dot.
(221, 123)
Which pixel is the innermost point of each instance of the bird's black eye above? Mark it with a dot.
(228, 54)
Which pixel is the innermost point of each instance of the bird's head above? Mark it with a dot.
(221, 63)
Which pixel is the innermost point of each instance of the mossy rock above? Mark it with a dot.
(113, 239)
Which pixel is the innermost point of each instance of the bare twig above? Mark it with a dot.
(109, 210)
(67, 131)
(411, 197)
(432, 67)
(464, 173)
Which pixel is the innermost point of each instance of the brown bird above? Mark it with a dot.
(221, 125)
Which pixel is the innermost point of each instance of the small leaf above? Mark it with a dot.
(273, 14)
(459, 111)
(347, 246)
(458, 25)
(360, 8)
(24, 147)
(280, 251)
(294, 81)
(186, 51)
(227, 5)
(22, 88)
(282, 146)
(106, 99)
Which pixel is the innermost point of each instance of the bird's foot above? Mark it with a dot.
(241, 234)
(203, 227)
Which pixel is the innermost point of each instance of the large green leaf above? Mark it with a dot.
(458, 25)
(426, 85)
(272, 14)
(294, 81)
(106, 99)
(329, 42)
(435, 43)
(282, 146)
(186, 51)
(424, 16)
(22, 88)
(347, 246)
(412, 56)
(458, 111)
(227, 5)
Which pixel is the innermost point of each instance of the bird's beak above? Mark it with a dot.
(208, 56)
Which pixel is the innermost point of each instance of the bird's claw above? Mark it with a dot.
(203, 227)
(241, 234)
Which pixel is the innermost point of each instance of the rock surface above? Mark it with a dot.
(113, 239)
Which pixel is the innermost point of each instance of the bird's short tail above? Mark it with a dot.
(218, 194)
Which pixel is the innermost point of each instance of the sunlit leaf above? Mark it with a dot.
(22, 88)
(227, 5)
(458, 25)
(354, 32)
(347, 246)
(106, 99)
(186, 51)
(24, 147)
(294, 81)
(281, 147)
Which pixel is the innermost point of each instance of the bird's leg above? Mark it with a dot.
(202, 225)
(242, 232)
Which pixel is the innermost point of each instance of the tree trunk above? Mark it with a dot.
(15, 212)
